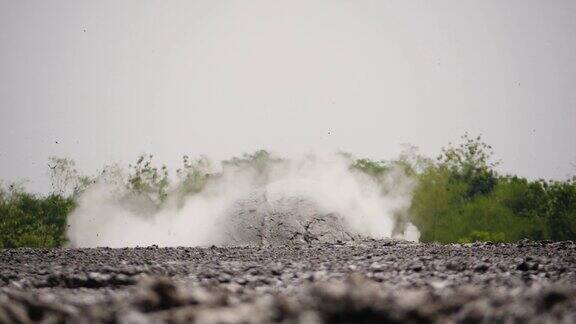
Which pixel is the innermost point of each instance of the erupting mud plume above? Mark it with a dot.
(301, 200)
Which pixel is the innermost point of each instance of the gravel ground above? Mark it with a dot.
(367, 281)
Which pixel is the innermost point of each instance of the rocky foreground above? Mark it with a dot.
(368, 281)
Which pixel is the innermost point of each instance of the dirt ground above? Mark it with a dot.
(368, 281)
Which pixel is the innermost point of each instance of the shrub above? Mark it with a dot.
(459, 197)
(147, 180)
(29, 220)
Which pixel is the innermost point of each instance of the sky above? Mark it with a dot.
(104, 81)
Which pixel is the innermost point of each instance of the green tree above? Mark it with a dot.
(29, 220)
(193, 175)
(470, 162)
(147, 180)
(561, 210)
(65, 179)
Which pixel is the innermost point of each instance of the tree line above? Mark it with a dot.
(459, 197)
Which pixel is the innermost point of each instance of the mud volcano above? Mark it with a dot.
(265, 218)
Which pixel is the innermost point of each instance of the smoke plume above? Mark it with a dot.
(247, 204)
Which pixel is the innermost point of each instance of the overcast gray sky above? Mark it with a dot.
(103, 81)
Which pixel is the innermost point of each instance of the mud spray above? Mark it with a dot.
(246, 206)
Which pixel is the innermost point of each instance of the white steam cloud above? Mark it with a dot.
(107, 215)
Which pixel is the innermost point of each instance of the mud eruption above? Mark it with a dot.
(264, 220)
(316, 198)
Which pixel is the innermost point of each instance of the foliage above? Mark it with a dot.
(370, 167)
(483, 236)
(561, 210)
(29, 220)
(65, 178)
(410, 162)
(469, 162)
(258, 163)
(193, 175)
(149, 181)
(459, 197)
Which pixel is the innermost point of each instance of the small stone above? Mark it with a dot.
(482, 267)
(523, 266)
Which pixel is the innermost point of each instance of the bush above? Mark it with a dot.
(148, 181)
(561, 210)
(28, 220)
(461, 198)
(193, 175)
(483, 236)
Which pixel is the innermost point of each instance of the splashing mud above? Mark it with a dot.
(316, 198)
